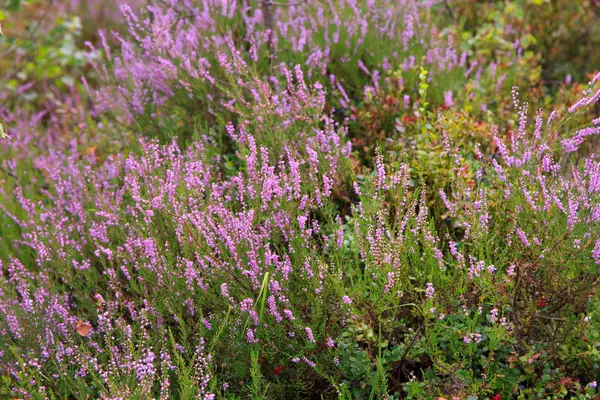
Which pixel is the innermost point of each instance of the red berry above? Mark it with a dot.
(542, 303)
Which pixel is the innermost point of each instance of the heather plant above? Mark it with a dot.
(173, 61)
(269, 200)
(523, 200)
(134, 182)
(231, 261)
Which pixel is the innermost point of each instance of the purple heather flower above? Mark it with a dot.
(309, 334)
(250, 336)
(494, 315)
(448, 101)
(429, 291)
(207, 324)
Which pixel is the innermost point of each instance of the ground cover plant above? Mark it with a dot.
(356, 199)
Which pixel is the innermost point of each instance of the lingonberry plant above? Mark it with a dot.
(353, 200)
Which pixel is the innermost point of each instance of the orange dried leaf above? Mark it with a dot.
(82, 328)
(91, 150)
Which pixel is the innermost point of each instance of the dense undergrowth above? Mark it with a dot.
(354, 199)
